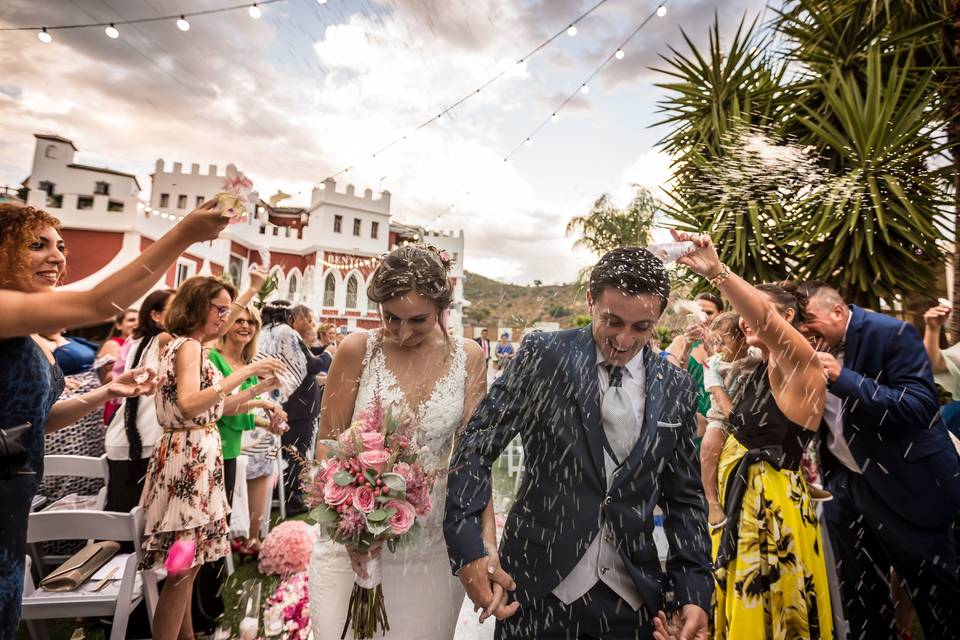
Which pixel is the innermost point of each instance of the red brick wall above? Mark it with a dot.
(89, 251)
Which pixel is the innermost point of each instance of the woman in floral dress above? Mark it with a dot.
(184, 496)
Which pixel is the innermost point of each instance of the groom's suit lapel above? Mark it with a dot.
(653, 405)
(582, 366)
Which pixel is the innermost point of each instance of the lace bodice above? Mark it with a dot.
(437, 417)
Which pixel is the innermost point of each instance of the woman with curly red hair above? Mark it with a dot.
(32, 263)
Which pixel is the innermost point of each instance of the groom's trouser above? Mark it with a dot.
(868, 538)
(600, 614)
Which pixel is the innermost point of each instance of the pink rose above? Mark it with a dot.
(403, 519)
(375, 460)
(364, 500)
(334, 494)
(333, 465)
(372, 440)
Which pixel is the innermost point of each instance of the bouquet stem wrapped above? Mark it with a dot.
(367, 612)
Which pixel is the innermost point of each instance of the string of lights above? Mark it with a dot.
(570, 30)
(584, 87)
(111, 30)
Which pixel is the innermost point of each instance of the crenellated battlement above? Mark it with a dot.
(349, 198)
(177, 170)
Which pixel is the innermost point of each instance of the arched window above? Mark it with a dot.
(292, 288)
(352, 288)
(329, 289)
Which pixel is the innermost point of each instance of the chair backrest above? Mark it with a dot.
(79, 466)
(86, 525)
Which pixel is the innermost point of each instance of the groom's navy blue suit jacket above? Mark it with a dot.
(550, 395)
(892, 422)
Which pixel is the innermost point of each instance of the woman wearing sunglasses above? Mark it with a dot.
(184, 496)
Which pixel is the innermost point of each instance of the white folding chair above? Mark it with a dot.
(117, 598)
(80, 467)
(75, 467)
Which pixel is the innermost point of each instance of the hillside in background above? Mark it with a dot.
(494, 304)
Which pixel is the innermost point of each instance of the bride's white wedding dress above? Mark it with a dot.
(422, 596)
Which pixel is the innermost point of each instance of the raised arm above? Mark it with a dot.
(27, 313)
(796, 375)
(933, 321)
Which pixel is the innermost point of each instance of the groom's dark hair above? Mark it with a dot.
(631, 270)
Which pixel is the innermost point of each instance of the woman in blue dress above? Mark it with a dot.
(32, 262)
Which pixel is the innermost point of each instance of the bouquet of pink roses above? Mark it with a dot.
(370, 489)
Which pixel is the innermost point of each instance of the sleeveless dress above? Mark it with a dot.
(775, 586)
(29, 386)
(183, 495)
(422, 597)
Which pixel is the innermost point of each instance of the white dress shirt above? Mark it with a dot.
(634, 382)
(833, 414)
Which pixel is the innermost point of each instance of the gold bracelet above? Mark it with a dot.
(719, 279)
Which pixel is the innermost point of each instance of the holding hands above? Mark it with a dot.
(487, 584)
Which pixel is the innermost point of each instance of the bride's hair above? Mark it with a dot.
(411, 268)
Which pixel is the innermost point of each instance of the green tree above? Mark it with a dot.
(606, 227)
(839, 185)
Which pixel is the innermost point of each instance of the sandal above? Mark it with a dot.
(250, 550)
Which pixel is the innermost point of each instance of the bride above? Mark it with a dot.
(409, 365)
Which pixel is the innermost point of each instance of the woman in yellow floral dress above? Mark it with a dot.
(769, 563)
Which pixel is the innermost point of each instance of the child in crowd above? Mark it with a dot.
(725, 370)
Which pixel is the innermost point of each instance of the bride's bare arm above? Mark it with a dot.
(340, 393)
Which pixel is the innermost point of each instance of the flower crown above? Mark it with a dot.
(444, 256)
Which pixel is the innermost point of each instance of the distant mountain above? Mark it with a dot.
(494, 303)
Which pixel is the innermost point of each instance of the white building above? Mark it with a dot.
(322, 255)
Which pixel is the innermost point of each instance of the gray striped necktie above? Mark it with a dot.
(619, 416)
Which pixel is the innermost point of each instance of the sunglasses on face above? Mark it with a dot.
(249, 323)
(222, 310)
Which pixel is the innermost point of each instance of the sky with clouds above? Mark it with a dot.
(311, 88)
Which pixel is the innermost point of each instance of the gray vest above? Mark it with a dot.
(600, 562)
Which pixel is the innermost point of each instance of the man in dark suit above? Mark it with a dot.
(890, 465)
(484, 343)
(607, 430)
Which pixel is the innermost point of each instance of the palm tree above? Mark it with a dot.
(606, 227)
(826, 35)
(716, 102)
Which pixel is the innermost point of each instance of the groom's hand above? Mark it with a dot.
(485, 583)
(689, 624)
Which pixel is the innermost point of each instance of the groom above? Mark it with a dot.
(607, 430)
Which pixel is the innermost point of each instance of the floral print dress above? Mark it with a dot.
(184, 496)
(775, 587)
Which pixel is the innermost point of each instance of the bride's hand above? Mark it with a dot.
(704, 260)
(358, 559)
(498, 606)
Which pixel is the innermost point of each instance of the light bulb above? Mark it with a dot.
(584, 89)
(572, 31)
(112, 32)
(619, 54)
(255, 12)
(44, 37)
(528, 142)
(182, 24)
(661, 11)
(554, 118)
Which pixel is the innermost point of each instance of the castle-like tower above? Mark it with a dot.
(322, 255)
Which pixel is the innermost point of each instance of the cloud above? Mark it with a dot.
(310, 89)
